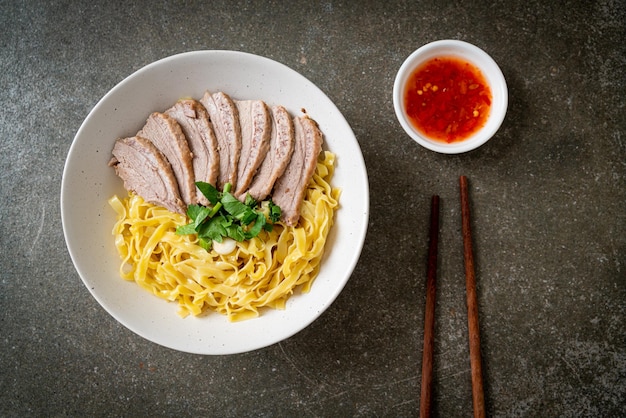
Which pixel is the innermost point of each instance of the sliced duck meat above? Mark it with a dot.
(166, 134)
(278, 155)
(291, 186)
(194, 121)
(256, 128)
(225, 119)
(147, 172)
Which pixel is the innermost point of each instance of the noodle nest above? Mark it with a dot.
(261, 272)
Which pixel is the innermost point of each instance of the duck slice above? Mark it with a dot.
(194, 121)
(290, 187)
(225, 120)
(146, 172)
(165, 133)
(256, 128)
(278, 155)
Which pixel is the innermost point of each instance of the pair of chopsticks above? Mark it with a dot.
(472, 307)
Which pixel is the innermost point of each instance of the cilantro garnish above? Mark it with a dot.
(228, 217)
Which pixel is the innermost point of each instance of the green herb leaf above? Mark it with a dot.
(275, 211)
(207, 245)
(250, 201)
(235, 232)
(214, 229)
(193, 210)
(200, 214)
(209, 191)
(186, 229)
(197, 214)
(237, 209)
(259, 222)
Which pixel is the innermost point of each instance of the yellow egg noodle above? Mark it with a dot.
(261, 272)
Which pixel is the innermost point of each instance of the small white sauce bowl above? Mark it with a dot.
(490, 70)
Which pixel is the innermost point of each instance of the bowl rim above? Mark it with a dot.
(490, 70)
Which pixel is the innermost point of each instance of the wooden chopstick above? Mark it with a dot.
(478, 398)
(429, 314)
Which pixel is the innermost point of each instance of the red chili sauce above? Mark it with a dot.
(447, 99)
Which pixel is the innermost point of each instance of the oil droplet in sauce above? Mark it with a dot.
(447, 99)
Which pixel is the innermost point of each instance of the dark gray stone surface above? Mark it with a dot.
(548, 195)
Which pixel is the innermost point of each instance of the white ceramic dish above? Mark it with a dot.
(492, 74)
(88, 182)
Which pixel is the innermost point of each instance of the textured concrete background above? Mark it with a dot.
(548, 197)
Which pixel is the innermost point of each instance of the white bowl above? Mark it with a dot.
(88, 182)
(489, 69)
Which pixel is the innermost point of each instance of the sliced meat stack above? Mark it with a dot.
(259, 150)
